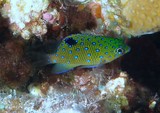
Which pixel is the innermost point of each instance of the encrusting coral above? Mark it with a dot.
(123, 17)
(29, 18)
(144, 16)
(131, 17)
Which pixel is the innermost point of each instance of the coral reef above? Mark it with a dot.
(131, 17)
(107, 17)
(15, 69)
(143, 17)
(74, 2)
(76, 25)
(100, 28)
(83, 95)
(29, 18)
(128, 84)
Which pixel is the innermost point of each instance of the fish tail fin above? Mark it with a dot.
(39, 59)
(40, 54)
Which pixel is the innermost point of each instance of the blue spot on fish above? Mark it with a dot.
(102, 38)
(89, 39)
(77, 49)
(70, 51)
(106, 53)
(106, 47)
(88, 54)
(82, 43)
(54, 61)
(76, 57)
(70, 46)
(101, 57)
(97, 50)
(62, 56)
(88, 61)
(100, 45)
(63, 49)
(86, 48)
(93, 43)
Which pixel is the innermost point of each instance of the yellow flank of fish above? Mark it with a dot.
(86, 51)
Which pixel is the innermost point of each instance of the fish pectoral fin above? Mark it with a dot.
(62, 68)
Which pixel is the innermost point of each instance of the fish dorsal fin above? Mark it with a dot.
(62, 68)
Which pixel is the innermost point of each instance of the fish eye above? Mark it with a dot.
(120, 51)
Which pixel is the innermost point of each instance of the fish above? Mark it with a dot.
(86, 51)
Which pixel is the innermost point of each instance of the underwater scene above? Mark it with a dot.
(79, 56)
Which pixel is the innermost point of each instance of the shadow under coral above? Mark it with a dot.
(143, 62)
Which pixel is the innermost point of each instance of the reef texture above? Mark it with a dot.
(87, 93)
(143, 17)
(29, 18)
(128, 84)
(119, 17)
(132, 17)
(15, 69)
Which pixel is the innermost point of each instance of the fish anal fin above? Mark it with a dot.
(92, 66)
(88, 66)
(62, 68)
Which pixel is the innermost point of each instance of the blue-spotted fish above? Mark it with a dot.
(85, 51)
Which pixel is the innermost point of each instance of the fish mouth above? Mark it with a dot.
(128, 49)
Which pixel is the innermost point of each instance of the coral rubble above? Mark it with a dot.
(92, 93)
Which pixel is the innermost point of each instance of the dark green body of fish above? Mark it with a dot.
(86, 51)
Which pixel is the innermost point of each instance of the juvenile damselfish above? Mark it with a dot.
(86, 51)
